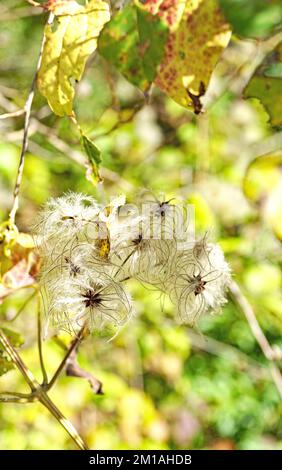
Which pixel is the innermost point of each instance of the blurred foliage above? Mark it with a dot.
(165, 387)
(255, 19)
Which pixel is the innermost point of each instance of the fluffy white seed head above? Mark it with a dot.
(83, 300)
(63, 219)
(89, 251)
(200, 281)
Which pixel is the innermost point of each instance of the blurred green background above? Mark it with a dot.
(166, 387)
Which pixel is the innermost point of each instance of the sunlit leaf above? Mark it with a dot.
(266, 85)
(94, 159)
(92, 152)
(263, 185)
(175, 44)
(69, 43)
(269, 92)
(198, 34)
(25, 240)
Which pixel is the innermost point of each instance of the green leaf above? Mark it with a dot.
(198, 33)
(16, 340)
(153, 35)
(133, 41)
(94, 157)
(166, 43)
(118, 43)
(266, 85)
(92, 152)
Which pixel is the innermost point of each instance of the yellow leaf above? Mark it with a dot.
(25, 240)
(104, 248)
(68, 44)
(198, 33)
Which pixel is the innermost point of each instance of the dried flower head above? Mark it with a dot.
(64, 219)
(200, 282)
(89, 251)
(97, 303)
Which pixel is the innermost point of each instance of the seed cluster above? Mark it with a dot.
(89, 252)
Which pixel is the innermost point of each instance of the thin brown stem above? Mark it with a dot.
(39, 342)
(17, 113)
(75, 343)
(27, 111)
(24, 305)
(37, 392)
(16, 394)
(16, 359)
(16, 400)
(34, 4)
(272, 354)
(65, 423)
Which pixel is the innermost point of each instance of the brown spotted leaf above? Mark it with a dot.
(133, 41)
(198, 33)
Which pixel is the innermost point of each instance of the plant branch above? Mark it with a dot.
(27, 112)
(74, 370)
(65, 423)
(37, 392)
(34, 4)
(39, 342)
(24, 305)
(75, 343)
(271, 353)
(16, 400)
(16, 359)
(73, 154)
(12, 114)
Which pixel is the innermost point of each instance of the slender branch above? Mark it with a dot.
(15, 397)
(12, 114)
(75, 155)
(34, 4)
(73, 369)
(27, 111)
(272, 354)
(75, 343)
(16, 394)
(26, 373)
(21, 309)
(276, 376)
(16, 400)
(37, 392)
(39, 342)
(65, 423)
